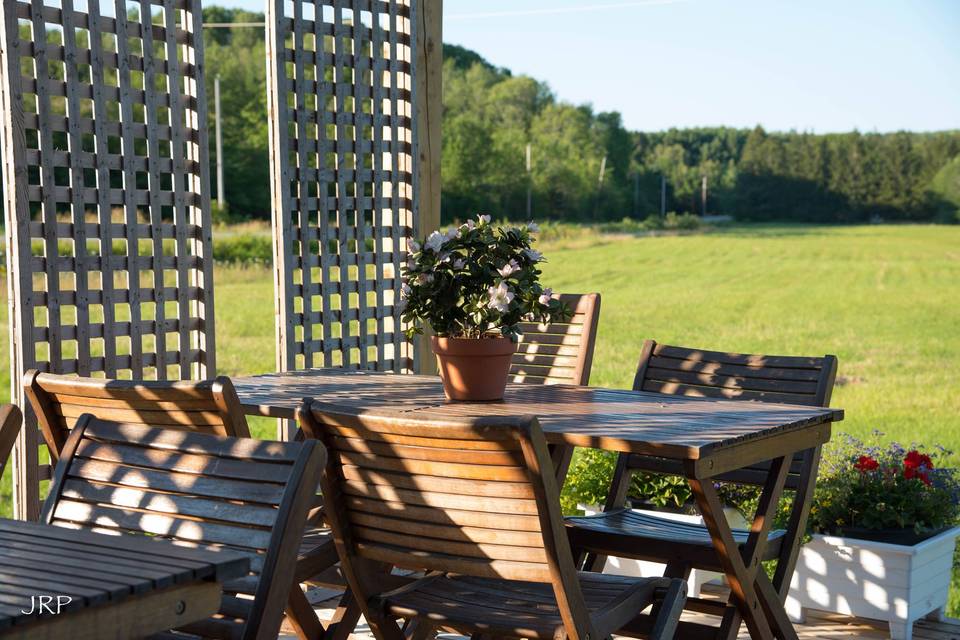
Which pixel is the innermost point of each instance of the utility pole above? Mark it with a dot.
(663, 195)
(599, 196)
(529, 186)
(636, 194)
(221, 200)
(703, 196)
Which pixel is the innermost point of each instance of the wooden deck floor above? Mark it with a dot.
(818, 627)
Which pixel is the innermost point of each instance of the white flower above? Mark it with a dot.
(545, 297)
(500, 297)
(458, 264)
(533, 227)
(469, 224)
(434, 241)
(484, 219)
(452, 233)
(405, 290)
(414, 246)
(533, 254)
(510, 268)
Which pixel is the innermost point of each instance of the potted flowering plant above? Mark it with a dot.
(884, 527)
(474, 285)
(884, 493)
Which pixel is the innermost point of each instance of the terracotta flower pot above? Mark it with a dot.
(473, 369)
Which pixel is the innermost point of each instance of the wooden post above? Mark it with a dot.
(663, 195)
(221, 200)
(529, 185)
(636, 194)
(428, 77)
(703, 196)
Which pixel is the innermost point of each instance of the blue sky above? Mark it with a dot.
(814, 65)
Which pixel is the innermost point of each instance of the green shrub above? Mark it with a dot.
(681, 221)
(588, 479)
(244, 249)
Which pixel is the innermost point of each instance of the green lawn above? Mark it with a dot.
(884, 299)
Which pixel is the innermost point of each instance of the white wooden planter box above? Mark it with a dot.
(644, 569)
(896, 583)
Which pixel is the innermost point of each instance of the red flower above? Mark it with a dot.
(916, 465)
(865, 463)
(916, 460)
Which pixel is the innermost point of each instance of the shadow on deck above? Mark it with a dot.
(819, 626)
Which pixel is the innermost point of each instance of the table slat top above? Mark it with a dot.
(93, 569)
(621, 420)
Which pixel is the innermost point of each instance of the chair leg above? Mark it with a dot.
(345, 618)
(730, 624)
(419, 629)
(384, 628)
(677, 570)
(594, 563)
(302, 616)
(670, 608)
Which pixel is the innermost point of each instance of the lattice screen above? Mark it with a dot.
(106, 194)
(342, 145)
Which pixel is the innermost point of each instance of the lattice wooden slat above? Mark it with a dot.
(106, 182)
(340, 77)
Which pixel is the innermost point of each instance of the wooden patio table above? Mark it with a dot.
(708, 437)
(103, 586)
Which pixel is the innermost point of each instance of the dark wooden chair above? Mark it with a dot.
(561, 352)
(693, 372)
(474, 503)
(237, 494)
(10, 421)
(207, 406)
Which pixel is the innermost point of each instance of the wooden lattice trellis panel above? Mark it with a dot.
(106, 195)
(343, 144)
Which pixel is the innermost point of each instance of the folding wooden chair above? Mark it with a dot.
(475, 504)
(10, 421)
(693, 372)
(560, 352)
(239, 494)
(208, 406)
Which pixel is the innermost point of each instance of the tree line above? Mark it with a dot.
(490, 116)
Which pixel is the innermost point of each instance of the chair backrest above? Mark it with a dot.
(240, 494)
(10, 421)
(713, 374)
(560, 352)
(468, 496)
(208, 406)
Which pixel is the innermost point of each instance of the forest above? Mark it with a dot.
(585, 165)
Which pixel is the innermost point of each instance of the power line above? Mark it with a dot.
(557, 10)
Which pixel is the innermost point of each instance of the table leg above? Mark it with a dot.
(743, 568)
(561, 455)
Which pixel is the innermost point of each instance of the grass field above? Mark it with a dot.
(884, 299)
